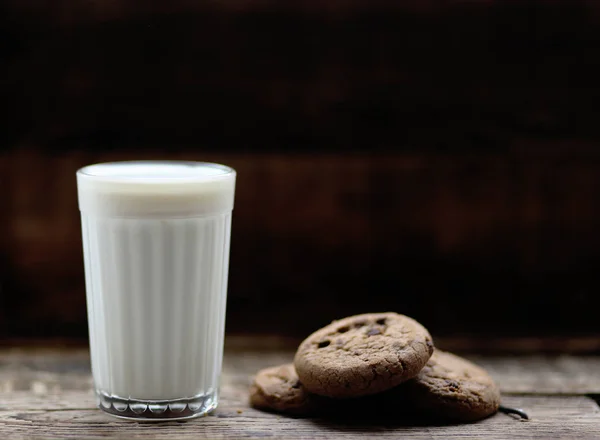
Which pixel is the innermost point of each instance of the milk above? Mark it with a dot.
(156, 251)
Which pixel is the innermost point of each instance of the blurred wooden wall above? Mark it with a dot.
(435, 158)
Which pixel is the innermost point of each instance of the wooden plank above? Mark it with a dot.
(332, 65)
(360, 75)
(488, 345)
(549, 374)
(57, 371)
(66, 12)
(47, 393)
(552, 417)
(332, 228)
(544, 374)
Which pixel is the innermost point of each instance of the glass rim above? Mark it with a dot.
(87, 173)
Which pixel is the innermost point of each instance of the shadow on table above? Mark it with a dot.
(375, 422)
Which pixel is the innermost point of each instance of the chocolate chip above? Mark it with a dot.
(373, 331)
(323, 344)
(343, 329)
(452, 384)
(381, 321)
(429, 346)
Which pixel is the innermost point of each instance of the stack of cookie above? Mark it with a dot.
(377, 362)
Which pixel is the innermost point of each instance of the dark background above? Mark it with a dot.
(436, 158)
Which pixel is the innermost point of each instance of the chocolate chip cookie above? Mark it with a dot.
(363, 355)
(452, 388)
(279, 389)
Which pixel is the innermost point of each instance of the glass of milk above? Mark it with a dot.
(156, 252)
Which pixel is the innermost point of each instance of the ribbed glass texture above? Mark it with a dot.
(156, 294)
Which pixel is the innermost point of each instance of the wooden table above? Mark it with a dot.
(47, 393)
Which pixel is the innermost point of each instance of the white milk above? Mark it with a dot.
(156, 251)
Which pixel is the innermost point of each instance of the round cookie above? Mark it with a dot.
(362, 355)
(452, 388)
(279, 389)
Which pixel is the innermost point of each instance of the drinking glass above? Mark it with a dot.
(156, 251)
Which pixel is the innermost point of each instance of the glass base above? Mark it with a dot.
(157, 410)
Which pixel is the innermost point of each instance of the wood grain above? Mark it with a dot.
(57, 371)
(552, 418)
(474, 123)
(47, 393)
(421, 234)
